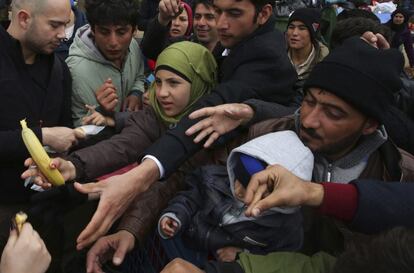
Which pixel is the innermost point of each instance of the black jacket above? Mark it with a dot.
(382, 206)
(147, 10)
(156, 39)
(257, 67)
(201, 208)
(23, 97)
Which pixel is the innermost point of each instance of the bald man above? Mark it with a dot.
(35, 85)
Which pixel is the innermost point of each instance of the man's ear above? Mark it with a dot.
(370, 126)
(264, 14)
(24, 18)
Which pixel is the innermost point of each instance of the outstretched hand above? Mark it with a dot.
(375, 39)
(168, 10)
(96, 118)
(218, 120)
(111, 247)
(116, 193)
(276, 186)
(106, 95)
(169, 226)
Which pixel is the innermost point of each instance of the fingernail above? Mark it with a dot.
(256, 211)
(117, 261)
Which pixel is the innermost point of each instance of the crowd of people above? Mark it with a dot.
(242, 146)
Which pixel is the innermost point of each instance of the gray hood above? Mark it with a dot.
(283, 148)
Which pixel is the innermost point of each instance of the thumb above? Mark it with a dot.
(261, 206)
(55, 163)
(93, 190)
(108, 80)
(12, 239)
(79, 133)
(87, 188)
(120, 253)
(90, 108)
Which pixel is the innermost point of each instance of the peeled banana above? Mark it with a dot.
(39, 155)
(19, 220)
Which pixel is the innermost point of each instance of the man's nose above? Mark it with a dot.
(311, 118)
(222, 22)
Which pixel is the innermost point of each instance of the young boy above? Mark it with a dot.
(210, 214)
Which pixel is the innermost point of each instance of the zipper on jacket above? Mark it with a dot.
(122, 90)
(329, 173)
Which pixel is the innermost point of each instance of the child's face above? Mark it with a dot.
(172, 91)
(239, 190)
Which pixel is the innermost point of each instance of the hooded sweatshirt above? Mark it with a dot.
(90, 69)
(283, 148)
(210, 216)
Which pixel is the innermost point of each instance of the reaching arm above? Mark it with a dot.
(250, 80)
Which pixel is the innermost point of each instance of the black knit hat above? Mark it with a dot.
(360, 74)
(310, 17)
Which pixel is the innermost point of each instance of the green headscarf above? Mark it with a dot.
(197, 64)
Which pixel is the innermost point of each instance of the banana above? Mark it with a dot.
(40, 156)
(19, 220)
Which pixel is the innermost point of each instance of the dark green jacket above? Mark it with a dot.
(287, 262)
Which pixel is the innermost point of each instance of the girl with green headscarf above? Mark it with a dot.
(186, 61)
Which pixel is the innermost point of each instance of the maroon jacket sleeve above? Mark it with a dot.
(340, 201)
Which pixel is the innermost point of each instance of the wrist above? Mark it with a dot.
(315, 194)
(249, 112)
(162, 20)
(109, 122)
(146, 173)
(46, 136)
(72, 171)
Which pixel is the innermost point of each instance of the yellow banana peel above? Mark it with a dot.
(39, 155)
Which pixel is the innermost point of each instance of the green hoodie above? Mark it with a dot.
(90, 70)
(287, 262)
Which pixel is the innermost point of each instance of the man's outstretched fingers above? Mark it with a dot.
(206, 111)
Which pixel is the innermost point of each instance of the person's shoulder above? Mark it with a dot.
(79, 66)
(272, 125)
(269, 44)
(134, 44)
(61, 62)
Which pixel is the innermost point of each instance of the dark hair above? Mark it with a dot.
(206, 3)
(357, 13)
(111, 12)
(389, 252)
(356, 26)
(258, 6)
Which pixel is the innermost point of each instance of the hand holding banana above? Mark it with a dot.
(66, 169)
(49, 169)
